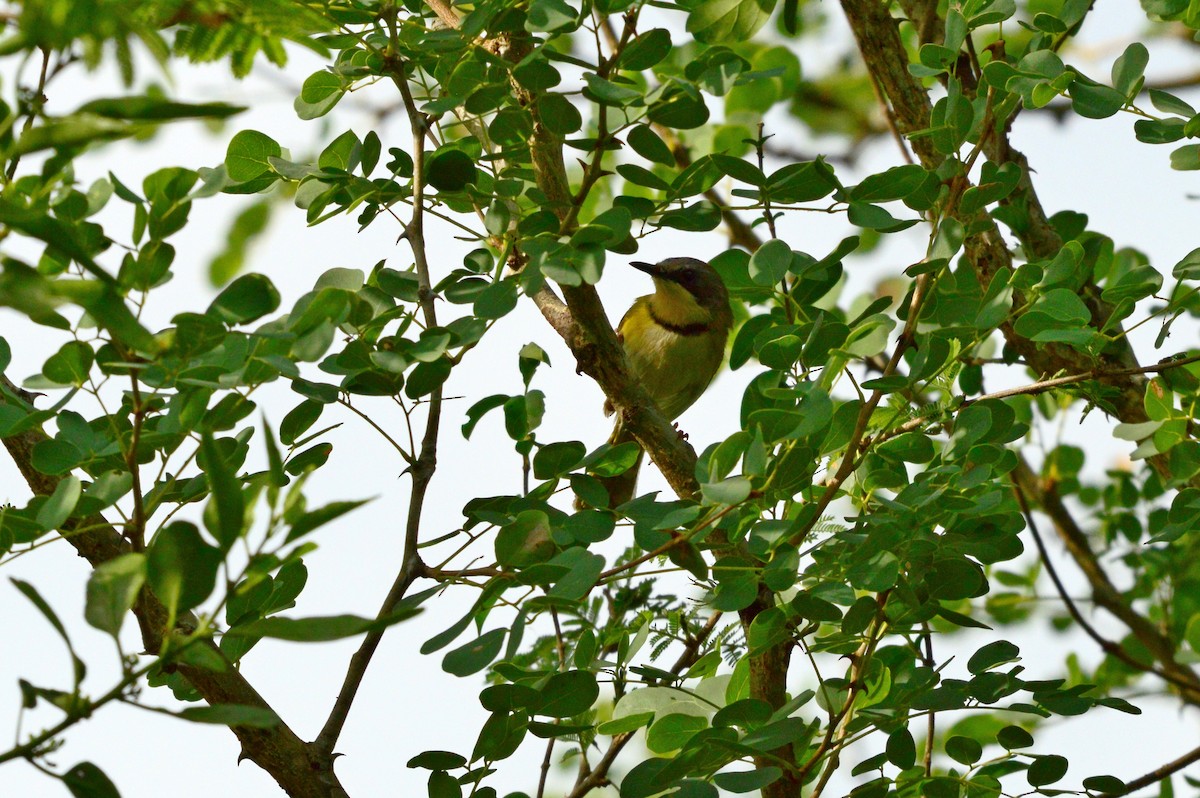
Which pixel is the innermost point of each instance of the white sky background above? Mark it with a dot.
(407, 703)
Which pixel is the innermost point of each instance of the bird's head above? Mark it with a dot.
(695, 276)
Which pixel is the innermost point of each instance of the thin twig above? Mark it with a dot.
(1041, 386)
(408, 458)
(1104, 593)
(1108, 646)
(598, 775)
(931, 721)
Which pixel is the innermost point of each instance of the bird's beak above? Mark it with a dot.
(649, 268)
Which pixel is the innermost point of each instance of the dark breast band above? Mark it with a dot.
(697, 328)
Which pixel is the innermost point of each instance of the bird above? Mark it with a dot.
(674, 342)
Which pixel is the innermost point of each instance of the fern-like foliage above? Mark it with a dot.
(241, 29)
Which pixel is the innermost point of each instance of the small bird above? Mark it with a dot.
(674, 340)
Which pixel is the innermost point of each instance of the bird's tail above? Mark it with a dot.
(620, 487)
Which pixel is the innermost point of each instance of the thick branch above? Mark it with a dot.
(277, 750)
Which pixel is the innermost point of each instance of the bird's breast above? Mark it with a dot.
(674, 368)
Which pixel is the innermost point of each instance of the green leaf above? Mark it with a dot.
(568, 694)
(59, 506)
(583, 571)
(1093, 101)
(226, 493)
(640, 176)
(70, 365)
(425, 378)
(450, 169)
(770, 262)
(608, 461)
(496, 300)
(559, 114)
(525, 541)
(1159, 131)
(247, 154)
(319, 629)
(802, 182)
(232, 715)
(344, 153)
(547, 16)
(1128, 71)
(314, 519)
(442, 785)
(474, 656)
(901, 748)
(111, 590)
(681, 108)
(70, 132)
(1170, 104)
(1186, 158)
(181, 567)
(717, 21)
(1046, 770)
(896, 183)
(299, 419)
(744, 781)
(556, 459)
(1105, 784)
(645, 50)
(988, 12)
(156, 108)
(477, 411)
(319, 94)
(731, 491)
(874, 217)
(86, 780)
(246, 299)
(607, 92)
(59, 237)
(626, 723)
(671, 732)
(964, 750)
(992, 655)
(311, 458)
(437, 760)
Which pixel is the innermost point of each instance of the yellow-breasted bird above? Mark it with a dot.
(674, 340)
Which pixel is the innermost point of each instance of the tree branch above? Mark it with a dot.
(425, 465)
(1109, 647)
(1104, 593)
(1158, 774)
(278, 750)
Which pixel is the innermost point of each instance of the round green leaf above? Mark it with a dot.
(964, 750)
(556, 459)
(568, 694)
(70, 365)
(247, 298)
(247, 154)
(671, 732)
(1011, 737)
(1046, 770)
(450, 170)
